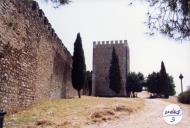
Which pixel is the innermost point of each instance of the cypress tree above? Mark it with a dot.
(114, 73)
(164, 87)
(79, 66)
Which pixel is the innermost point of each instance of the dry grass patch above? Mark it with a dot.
(103, 114)
(72, 113)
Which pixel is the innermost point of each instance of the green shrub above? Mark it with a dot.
(184, 97)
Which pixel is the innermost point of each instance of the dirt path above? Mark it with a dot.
(149, 117)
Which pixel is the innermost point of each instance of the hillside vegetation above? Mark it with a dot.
(184, 97)
(73, 113)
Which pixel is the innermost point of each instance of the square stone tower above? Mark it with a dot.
(102, 55)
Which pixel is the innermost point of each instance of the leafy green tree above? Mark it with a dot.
(152, 83)
(164, 87)
(171, 86)
(79, 66)
(134, 83)
(114, 73)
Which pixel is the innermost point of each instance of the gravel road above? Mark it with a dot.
(149, 117)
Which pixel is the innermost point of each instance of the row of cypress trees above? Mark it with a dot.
(160, 84)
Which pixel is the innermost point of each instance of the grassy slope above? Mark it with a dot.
(72, 112)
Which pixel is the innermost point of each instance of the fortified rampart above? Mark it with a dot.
(102, 54)
(34, 63)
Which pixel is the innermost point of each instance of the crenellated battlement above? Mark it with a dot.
(110, 43)
(102, 57)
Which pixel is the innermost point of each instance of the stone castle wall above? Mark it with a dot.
(102, 54)
(34, 63)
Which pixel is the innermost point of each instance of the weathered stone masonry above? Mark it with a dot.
(34, 63)
(102, 54)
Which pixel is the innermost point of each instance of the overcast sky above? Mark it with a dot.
(101, 20)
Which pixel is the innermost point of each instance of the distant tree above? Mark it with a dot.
(141, 81)
(140, 77)
(89, 82)
(171, 85)
(164, 87)
(79, 66)
(184, 97)
(87, 90)
(134, 83)
(152, 83)
(114, 73)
